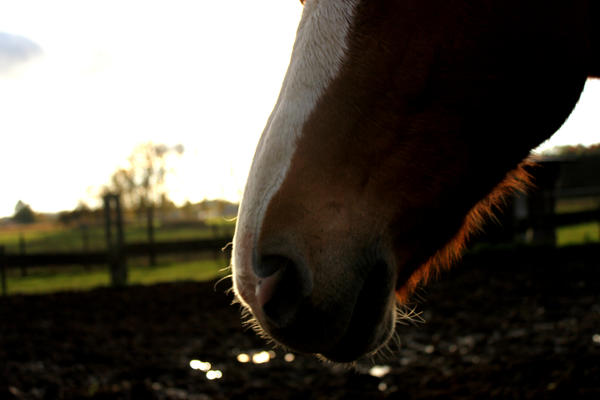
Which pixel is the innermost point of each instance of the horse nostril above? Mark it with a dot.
(270, 264)
(281, 287)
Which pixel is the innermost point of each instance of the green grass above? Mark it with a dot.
(578, 234)
(48, 280)
(581, 233)
(200, 270)
(56, 238)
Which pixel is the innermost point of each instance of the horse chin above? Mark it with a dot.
(361, 338)
(362, 341)
(372, 323)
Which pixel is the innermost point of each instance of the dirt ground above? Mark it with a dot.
(499, 326)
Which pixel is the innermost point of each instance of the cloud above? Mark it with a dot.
(16, 51)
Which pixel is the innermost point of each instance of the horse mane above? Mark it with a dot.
(518, 180)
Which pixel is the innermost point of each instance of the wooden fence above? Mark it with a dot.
(45, 259)
(534, 214)
(14, 260)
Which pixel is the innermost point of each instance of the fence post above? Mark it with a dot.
(542, 204)
(115, 248)
(107, 223)
(3, 270)
(22, 252)
(85, 239)
(598, 219)
(150, 227)
(121, 265)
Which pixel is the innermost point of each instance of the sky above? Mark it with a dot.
(82, 82)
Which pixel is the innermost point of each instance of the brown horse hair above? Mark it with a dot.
(515, 181)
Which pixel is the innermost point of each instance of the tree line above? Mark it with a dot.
(141, 187)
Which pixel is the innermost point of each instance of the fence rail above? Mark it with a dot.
(553, 221)
(46, 259)
(101, 257)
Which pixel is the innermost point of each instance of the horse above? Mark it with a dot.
(400, 125)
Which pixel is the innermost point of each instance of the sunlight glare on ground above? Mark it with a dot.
(205, 366)
(379, 371)
(200, 365)
(214, 374)
(262, 357)
(258, 357)
(429, 349)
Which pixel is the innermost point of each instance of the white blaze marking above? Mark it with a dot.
(319, 50)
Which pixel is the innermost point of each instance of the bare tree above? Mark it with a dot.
(142, 184)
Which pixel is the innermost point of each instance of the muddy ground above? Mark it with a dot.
(500, 325)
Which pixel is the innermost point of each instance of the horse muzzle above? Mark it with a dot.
(339, 307)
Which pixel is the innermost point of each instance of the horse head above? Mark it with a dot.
(399, 125)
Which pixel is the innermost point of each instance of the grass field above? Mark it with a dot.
(48, 280)
(581, 233)
(578, 234)
(57, 238)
